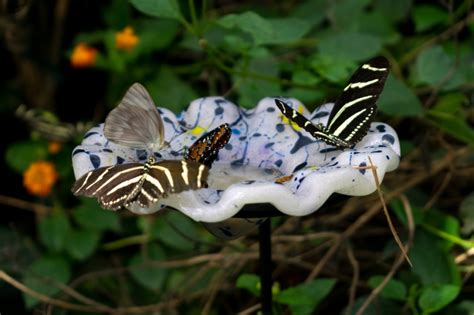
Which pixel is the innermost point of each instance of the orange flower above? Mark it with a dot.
(39, 178)
(83, 56)
(54, 147)
(126, 39)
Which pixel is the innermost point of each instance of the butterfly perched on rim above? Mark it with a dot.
(205, 149)
(121, 185)
(354, 109)
(136, 121)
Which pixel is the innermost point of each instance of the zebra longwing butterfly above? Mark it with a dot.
(205, 149)
(120, 185)
(135, 122)
(353, 110)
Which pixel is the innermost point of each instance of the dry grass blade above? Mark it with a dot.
(355, 279)
(49, 300)
(398, 262)
(387, 215)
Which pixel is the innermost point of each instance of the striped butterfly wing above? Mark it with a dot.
(135, 122)
(111, 185)
(355, 108)
(205, 149)
(171, 177)
(121, 185)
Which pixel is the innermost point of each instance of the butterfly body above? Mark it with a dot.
(354, 109)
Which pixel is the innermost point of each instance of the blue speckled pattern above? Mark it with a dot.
(261, 138)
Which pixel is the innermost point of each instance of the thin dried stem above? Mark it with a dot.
(25, 205)
(49, 300)
(355, 278)
(387, 215)
(398, 262)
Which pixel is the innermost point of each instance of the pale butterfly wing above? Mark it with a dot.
(135, 122)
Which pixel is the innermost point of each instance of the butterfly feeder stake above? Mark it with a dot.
(280, 159)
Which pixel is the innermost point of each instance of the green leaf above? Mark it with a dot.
(417, 212)
(312, 11)
(91, 38)
(250, 282)
(406, 146)
(351, 46)
(466, 66)
(334, 69)
(381, 306)
(306, 95)
(159, 8)
(376, 24)
(42, 275)
(62, 162)
(445, 223)
(345, 14)
(306, 296)
(143, 271)
(114, 60)
(393, 10)
(21, 154)
(235, 43)
(432, 65)
(251, 87)
(451, 103)
(169, 91)
(466, 212)
(116, 14)
(399, 100)
(452, 124)
(155, 35)
(250, 22)
(53, 230)
(289, 30)
(435, 297)
(431, 263)
(465, 307)
(427, 16)
(303, 76)
(175, 230)
(82, 243)
(395, 289)
(90, 215)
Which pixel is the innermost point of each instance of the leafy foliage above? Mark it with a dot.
(303, 49)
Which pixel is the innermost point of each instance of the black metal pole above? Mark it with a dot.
(265, 248)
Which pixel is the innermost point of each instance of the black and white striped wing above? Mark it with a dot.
(169, 177)
(356, 107)
(120, 185)
(135, 122)
(112, 185)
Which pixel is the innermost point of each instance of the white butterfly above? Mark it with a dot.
(136, 122)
